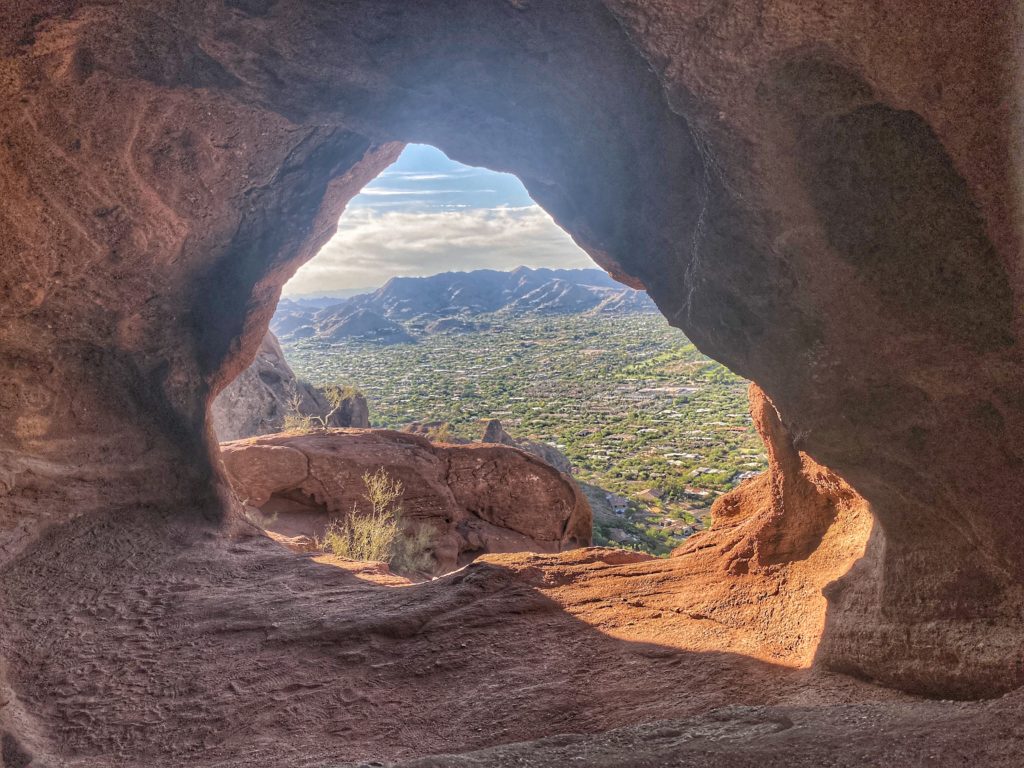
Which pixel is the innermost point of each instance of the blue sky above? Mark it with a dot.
(427, 214)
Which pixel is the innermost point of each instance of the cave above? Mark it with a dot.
(826, 200)
(447, 299)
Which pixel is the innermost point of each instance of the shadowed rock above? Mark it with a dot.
(823, 196)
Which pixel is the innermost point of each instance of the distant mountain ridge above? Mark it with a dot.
(448, 302)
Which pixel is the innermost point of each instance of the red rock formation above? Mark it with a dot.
(474, 498)
(822, 196)
(775, 543)
(783, 514)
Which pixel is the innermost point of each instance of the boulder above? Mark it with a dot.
(475, 499)
(351, 411)
(494, 432)
(259, 399)
(265, 393)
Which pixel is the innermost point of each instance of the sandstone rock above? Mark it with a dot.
(475, 498)
(494, 432)
(256, 402)
(785, 511)
(259, 399)
(300, 544)
(352, 412)
(823, 196)
(259, 470)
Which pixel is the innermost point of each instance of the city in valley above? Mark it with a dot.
(653, 430)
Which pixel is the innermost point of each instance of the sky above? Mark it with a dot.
(427, 214)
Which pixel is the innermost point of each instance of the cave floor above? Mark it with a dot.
(132, 641)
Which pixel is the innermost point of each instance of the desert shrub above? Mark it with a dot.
(412, 551)
(442, 433)
(296, 420)
(336, 394)
(383, 492)
(380, 533)
(362, 536)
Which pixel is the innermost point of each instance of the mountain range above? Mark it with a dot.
(454, 302)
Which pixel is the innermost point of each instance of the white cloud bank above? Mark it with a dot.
(373, 245)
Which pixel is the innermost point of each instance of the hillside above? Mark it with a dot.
(406, 308)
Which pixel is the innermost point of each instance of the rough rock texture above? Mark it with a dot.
(173, 646)
(846, 736)
(476, 499)
(352, 411)
(259, 399)
(495, 433)
(785, 512)
(257, 402)
(824, 196)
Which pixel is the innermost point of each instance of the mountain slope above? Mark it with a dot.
(417, 304)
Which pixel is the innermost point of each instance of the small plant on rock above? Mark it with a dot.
(296, 420)
(378, 534)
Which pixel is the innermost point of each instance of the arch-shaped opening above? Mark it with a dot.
(827, 216)
(449, 305)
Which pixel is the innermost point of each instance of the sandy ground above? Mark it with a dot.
(131, 641)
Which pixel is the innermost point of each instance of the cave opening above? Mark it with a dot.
(821, 195)
(450, 307)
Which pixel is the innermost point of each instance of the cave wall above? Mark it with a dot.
(824, 197)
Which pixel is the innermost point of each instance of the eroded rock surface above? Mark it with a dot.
(783, 514)
(261, 397)
(822, 196)
(352, 411)
(494, 432)
(475, 499)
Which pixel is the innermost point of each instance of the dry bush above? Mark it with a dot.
(443, 433)
(362, 537)
(336, 394)
(412, 551)
(378, 533)
(295, 420)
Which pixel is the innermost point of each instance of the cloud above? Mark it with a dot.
(449, 173)
(373, 245)
(390, 192)
(406, 176)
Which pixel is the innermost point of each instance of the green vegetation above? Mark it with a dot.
(337, 394)
(629, 400)
(377, 534)
(368, 535)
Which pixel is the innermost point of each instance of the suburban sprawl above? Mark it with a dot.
(654, 430)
